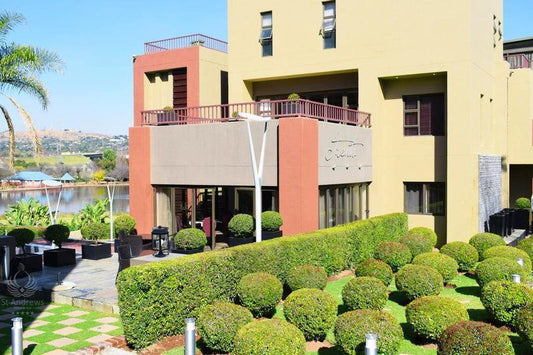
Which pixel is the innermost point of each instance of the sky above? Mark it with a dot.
(96, 40)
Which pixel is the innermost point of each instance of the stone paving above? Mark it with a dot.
(55, 328)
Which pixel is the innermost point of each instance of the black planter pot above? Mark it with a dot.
(521, 219)
(32, 263)
(187, 251)
(59, 257)
(96, 251)
(266, 235)
(233, 241)
(497, 224)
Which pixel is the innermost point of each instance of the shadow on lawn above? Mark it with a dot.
(520, 347)
(330, 351)
(29, 349)
(398, 297)
(479, 315)
(468, 290)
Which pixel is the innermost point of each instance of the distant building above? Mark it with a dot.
(403, 107)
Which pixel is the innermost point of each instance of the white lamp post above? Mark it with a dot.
(258, 170)
(52, 183)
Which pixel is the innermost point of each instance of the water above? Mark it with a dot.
(73, 199)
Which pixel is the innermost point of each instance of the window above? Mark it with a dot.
(328, 30)
(423, 115)
(425, 198)
(265, 38)
(339, 204)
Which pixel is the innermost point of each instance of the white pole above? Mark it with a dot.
(48, 202)
(111, 195)
(258, 178)
(57, 205)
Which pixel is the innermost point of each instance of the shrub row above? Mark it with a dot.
(38, 231)
(155, 298)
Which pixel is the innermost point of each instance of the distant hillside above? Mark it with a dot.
(65, 141)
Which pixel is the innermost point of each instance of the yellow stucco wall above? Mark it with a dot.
(211, 64)
(157, 90)
(396, 48)
(521, 116)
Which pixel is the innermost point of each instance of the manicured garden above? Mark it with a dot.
(277, 302)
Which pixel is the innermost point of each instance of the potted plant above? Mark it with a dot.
(95, 250)
(521, 217)
(241, 228)
(32, 262)
(294, 106)
(125, 223)
(58, 234)
(271, 221)
(189, 241)
(198, 42)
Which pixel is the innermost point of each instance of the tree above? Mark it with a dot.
(121, 172)
(109, 160)
(20, 66)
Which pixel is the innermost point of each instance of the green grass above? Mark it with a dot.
(466, 292)
(52, 160)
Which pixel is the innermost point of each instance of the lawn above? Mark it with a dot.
(466, 292)
(49, 326)
(53, 160)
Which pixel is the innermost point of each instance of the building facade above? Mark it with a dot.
(422, 116)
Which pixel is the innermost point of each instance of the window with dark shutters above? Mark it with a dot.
(424, 115)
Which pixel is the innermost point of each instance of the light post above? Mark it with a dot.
(111, 196)
(52, 183)
(258, 170)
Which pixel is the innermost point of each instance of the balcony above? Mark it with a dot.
(517, 61)
(185, 41)
(275, 109)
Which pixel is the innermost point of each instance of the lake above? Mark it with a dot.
(73, 199)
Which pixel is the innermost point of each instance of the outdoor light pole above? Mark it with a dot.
(111, 196)
(257, 170)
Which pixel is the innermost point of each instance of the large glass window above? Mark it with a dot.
(265, 38)
(329, 25)
(424, 115)
(425, 198)
(342, 204)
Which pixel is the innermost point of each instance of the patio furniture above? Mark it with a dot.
(124, 257)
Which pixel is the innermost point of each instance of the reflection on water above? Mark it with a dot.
(72, 199)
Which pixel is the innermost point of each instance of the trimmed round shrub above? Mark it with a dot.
(271, 221)
(474, 338)
(260, 292)
(269, 336)
(523, 202)
(22, 236)
(484, 241)
(465, 254)
(446, 265)
(190, 238)
(95, 231)
(498, 269)
(417, 244)
(312, 311)
(307, 276)
(431, 315)
(527, 246)
(57, 233)
(124, 222)
(351, 329)
(425, 232)
(241, 225)
(510, 253)
(394, 254)
(365, 293)
(375, 268)
(523, 323)
(218, 323)
(503, 299)
(418, 280)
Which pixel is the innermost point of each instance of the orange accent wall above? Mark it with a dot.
(298, 174)
(141, 191)
(177, 58)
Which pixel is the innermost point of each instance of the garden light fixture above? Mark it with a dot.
(160, 241)
(257, 170)
(516, 278)
(190, 336)
(371, 346)
(520, 261)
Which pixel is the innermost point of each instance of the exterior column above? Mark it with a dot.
(141, 190)
(298, 174)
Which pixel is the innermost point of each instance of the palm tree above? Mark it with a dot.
(20, 66)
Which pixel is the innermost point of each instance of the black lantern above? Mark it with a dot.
(160, 241)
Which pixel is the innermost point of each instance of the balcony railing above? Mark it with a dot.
(185, 41)
(275, 109)
(517, 61)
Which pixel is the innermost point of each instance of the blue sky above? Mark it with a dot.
(97, 38)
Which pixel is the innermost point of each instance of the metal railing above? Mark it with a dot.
(185, 41)
(275, 109)
(517, 61)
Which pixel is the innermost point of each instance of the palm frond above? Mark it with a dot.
(29, 123)
(28, 59)
(26, 84)
(8, 21)
(11, 137)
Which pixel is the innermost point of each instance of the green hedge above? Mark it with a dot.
(39, 231)
(155, 298)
